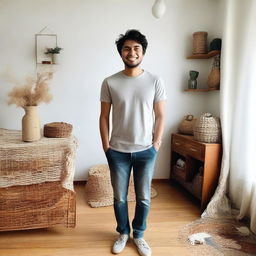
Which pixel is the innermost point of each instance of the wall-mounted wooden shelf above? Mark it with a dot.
(204, 56)
(201, 90)
(47, 64)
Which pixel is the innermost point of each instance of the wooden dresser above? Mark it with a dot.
(200, 168)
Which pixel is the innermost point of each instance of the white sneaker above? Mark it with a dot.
(142, 246)
(120, 243)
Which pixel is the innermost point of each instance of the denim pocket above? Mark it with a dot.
(153, 148)
(107, 150)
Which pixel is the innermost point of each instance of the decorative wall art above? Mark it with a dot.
(46, 46)
(43, 42)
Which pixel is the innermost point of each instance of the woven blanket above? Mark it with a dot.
(27, 163)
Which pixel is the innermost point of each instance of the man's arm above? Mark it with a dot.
(104, 124)
(159, 123)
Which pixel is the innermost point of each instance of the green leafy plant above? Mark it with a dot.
(55, 50)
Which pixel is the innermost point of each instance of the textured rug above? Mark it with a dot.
(221, 237)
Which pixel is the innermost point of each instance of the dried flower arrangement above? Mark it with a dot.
(33, 93)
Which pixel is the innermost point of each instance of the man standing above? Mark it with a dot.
(137, 99)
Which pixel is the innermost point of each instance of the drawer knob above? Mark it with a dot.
(193, 149)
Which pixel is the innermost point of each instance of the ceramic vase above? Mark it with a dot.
(55, 58)
(30, 124)
(214, 77)
(192, 82)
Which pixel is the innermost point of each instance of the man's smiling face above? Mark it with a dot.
(132, 53)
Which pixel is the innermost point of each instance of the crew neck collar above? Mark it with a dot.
(132, 77)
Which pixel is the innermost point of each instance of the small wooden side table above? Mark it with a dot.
(202, 166)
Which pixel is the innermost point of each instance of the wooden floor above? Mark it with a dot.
(95, 230)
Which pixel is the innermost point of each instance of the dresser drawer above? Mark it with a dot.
(195, 150)
(178, 144)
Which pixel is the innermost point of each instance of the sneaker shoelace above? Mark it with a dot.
(143, 243)
(121, 239)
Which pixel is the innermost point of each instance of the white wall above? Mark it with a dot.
(87, 31)
(213, 99)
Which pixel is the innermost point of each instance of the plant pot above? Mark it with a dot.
(55, 58)
(30, 124)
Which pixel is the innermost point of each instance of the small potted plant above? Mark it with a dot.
(54, 53)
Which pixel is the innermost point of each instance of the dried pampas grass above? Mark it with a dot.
(33, 92)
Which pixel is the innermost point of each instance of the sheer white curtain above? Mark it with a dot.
(238, 114)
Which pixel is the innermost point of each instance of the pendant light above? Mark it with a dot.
(158, 8)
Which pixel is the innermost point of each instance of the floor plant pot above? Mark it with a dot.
(30, 124)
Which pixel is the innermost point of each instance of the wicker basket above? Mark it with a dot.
(187, 124)
(98, 188)
(57, 130)
(207, 129)
(200, 42)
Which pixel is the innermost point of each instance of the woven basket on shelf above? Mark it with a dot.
(207, 129)
(57, 130)
(187, 124)
(200, 42)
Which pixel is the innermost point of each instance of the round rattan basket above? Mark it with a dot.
(200, 42)
(207, 129)
(57, 130)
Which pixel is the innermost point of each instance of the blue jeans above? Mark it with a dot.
(120, 165)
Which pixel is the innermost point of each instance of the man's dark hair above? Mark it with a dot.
(133, 35)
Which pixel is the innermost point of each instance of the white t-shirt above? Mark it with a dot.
(132, 100)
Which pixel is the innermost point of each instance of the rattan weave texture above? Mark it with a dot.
(57, 130)
(37, 206)
(98, 188)
(36, 182)
(47, 160)
(200, 42)
(207, 129)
